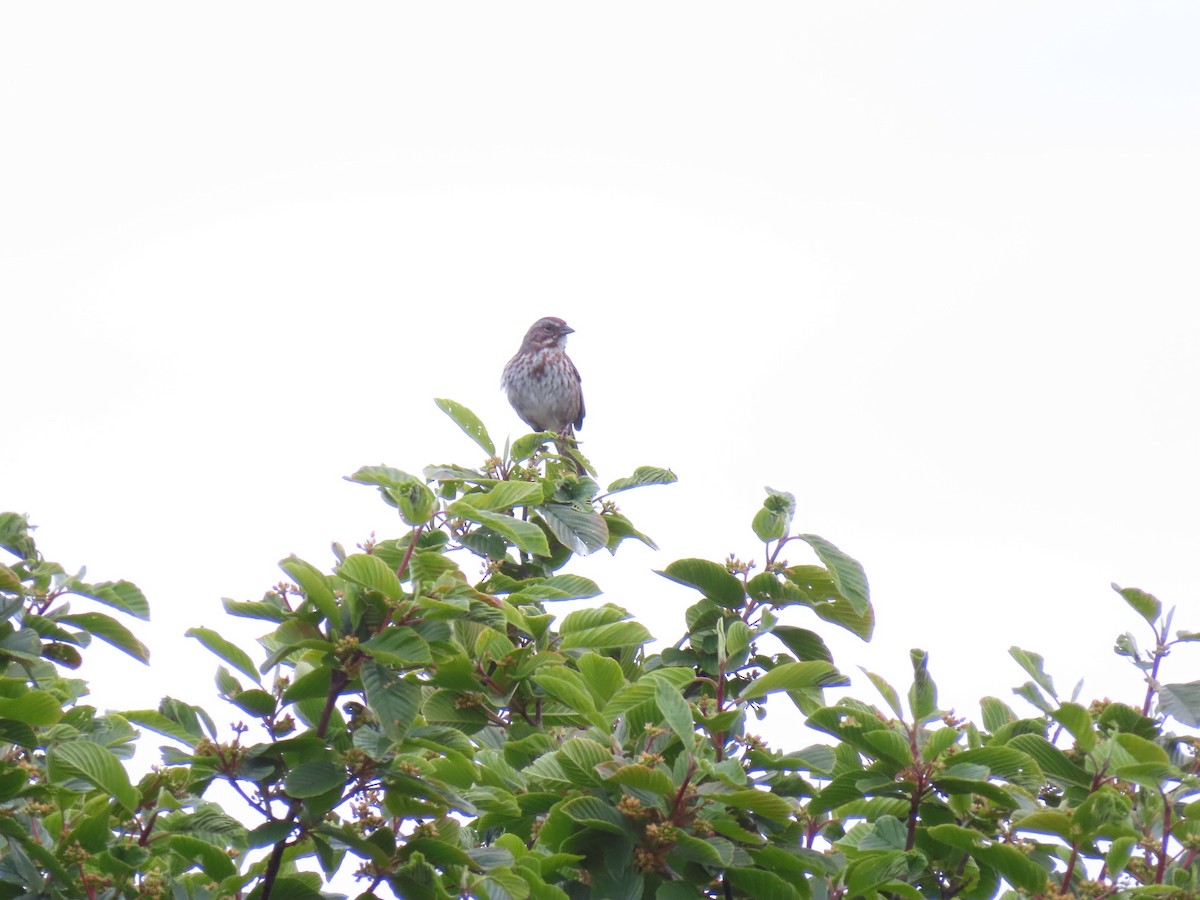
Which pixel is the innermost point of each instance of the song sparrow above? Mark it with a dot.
(543, 384)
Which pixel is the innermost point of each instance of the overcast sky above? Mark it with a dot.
(931, 267)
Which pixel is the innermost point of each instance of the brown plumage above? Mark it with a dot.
(543, 384)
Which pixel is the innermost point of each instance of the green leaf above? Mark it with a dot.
(1145, 605)
(469, 423)
(508, 494)
(1033, 694)
(644, 691)
(620, 528)
(949, 784)
(194, 720)
(567, 686)
(581, 758)
(569, 587)
(525, 446)
(676, 711)
(900, 889)
(50, 630)
(595, 813)
(270, 833)
(95, 765)
(737, 641)
(1005, 762)
(602, 675)
(415, 501)
(711, 579)
(1056, 764)
(399, 645)
(452, 473)
(1078, 721)
(214, 860)
(373, 573)
(841, 612)
(443, 707)
(767, 805)
(643, 475)
(643, 778)
(996, 713)
(111, 632)
(888, 692)
(1181, 701)
(1127, 720)
(10, 581)
(938, 742)
(122, 595)
(848, 574)
(394, 701)
(775, 518)
(1103, 811)
(1013, 865)
(24, 645)
(14, 535)
(227, 685)
(32, 708)
(1033, 664)
(222, 648)
(524, 535)
(63, 654)
(93, 831)
(716, 852)
(871, 871)
(267, 610)
(886, 833)
(1119, 853)
(794, 677)
(583, 619)
(382, 476)
(256, 702)
(18, 857)
(1142, 750)
(296, 887)
(889, 745)
(619, 634)
(922, 696)
(504, 884)
(156, 721)
(803, 643)
(315, 586)
(309, 686)
(313, 778)
(14, 732)
(583, 531)
(760, 884)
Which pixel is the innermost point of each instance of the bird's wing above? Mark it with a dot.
(578, 381)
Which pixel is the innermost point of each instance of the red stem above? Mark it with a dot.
(1159, 653)
(1070, 873)
(412, 545)
(675, 807)
(1166, 836)
(720, 735)
(337, 682)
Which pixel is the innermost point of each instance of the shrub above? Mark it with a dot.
(449, 737)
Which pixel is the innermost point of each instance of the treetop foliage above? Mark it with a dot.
(438, 735)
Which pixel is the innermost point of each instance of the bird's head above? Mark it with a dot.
(548, 332)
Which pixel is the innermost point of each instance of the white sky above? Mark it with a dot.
(931, 267)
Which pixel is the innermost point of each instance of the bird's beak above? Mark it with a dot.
(567, 329)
